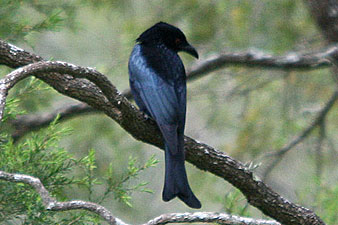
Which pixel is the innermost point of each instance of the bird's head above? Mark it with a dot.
(172, 37)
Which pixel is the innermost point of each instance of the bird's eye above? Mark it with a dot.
(177, 41)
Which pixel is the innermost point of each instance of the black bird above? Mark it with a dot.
(158, 83)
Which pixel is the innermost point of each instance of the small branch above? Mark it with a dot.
(207, 217)
(27, 123)
(239, 91)
(319, 118)
(51, 204)
(279, 154)
(262, 60)
(319, 150)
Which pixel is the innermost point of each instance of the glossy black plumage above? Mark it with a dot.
(158, 83)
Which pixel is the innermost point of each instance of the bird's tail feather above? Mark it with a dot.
(176, 181)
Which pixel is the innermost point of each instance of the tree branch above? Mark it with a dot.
(319, 151)
(253, 58)
(51, 204)
(279, 154)
(102, 95)
(26, 123)
(317, 121)
(207, 217)
(262, 60)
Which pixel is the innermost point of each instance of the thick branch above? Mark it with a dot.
(60, 67)
(51, 204)
(24, 124)
(105, 97)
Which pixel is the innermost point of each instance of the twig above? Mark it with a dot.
(51, 204)
(319, 150)
(298, 139)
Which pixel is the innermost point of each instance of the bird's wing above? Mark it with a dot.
(162, 104)
(163, 96)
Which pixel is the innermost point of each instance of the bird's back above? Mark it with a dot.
(161, 71)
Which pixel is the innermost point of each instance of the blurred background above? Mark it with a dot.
(245, 112)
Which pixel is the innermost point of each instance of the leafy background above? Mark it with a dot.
(245, 112)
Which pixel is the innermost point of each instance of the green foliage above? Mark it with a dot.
(235, 204)
(38, 156)
(33, 94)
(327, 204)
(11, 110)
(120, 188)
(41, 156)
(18, 19)
(323, 199)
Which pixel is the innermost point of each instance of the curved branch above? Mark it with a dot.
(60, 67)
(104, 96)
(51, 204)
(260, 59)
(14, 57)
(253, 58)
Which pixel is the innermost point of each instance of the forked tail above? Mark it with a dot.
(176, 181)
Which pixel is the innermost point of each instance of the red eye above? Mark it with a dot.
(177, 41)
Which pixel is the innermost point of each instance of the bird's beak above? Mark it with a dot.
(190, 50)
